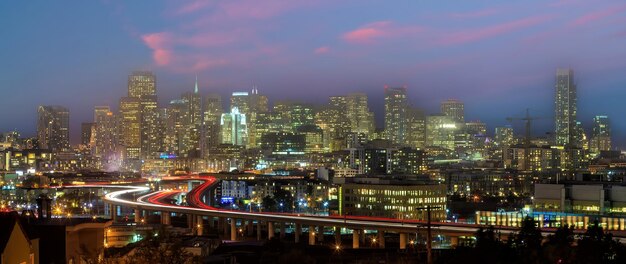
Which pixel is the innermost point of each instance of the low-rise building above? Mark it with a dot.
(392, 197)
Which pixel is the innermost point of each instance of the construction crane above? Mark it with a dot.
(527, 119)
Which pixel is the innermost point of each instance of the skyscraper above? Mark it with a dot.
(395, 114)
(454, 109)
(192, 123)
(86, 131)
(142, 87)
(213, 110)
(106, 138)
(601, 134)
(141, 84)
(234, 128)
(53, 128)
(565, 107)
(130, 126)
(360, 117)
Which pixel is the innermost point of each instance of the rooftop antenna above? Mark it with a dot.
(196, 88)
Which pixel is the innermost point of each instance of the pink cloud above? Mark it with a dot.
(322, 50)
(372, 32)
(160, 43)
(367, 33)
(476, 14)
(192, 7)
(598, 15)
(473, 35)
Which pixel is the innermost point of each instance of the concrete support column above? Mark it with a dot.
(355, 238)
(233, 229)
(338, 235)
(258, 230)
(250, 227)
(211, 222)
(138, 215)
(199, 225)
(166, 218)
(283, 227)
(312, 235)
(191, 221)
(380, 239)
(320, 233)
(224, 224)
(454, 241)
(298, 232)
(113, 209)
(270, 230)
(403, 237)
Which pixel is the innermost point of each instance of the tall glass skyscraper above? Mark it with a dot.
(565, 107)
(53, 128)
(395, 114)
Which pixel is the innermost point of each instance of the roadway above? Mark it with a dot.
(352, 222)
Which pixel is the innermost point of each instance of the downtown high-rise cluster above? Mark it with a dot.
(196, 132)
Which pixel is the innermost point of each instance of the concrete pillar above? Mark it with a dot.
(270, 230)
(258, 230)
(298, 232)
(283, 227)
(454, 241)
(166, 218)
(355, 238)
(211, 222)
(380, 239)
(233, 229)
(113, 212)
(224, 224)
(199, 225)
(403, 237)
(191, 224)
(250, 227)
(312, 235)
(138, 215)
(320, 234)
(338, 235)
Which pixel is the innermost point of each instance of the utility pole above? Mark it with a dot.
(429, 238)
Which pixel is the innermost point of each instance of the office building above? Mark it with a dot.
(106, 138)
(600, 135)
(396, 106)
(565, 107)
(86, 131)
(391, 197)
(440, 131)
(130, 127)
(454, 109)
(53, 128)
(234, 128)
(212, 113)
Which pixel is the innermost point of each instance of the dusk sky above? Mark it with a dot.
(499, 57)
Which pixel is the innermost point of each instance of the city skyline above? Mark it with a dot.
(359, 53)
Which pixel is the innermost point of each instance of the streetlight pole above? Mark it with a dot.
(429, 238)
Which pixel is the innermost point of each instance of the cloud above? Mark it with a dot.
(191, 7)
(598, 15)
(367, 33)
(374, 31)
(322, 50)
(160, 43)
(476, 14)
(472, 35)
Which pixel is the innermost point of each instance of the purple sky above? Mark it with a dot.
(499, 57)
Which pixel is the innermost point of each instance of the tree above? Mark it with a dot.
(269, 203)
(528, 241)
(558, 247)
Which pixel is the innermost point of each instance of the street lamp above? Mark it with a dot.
(428, 231)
